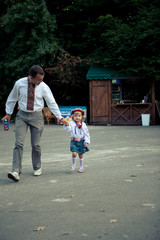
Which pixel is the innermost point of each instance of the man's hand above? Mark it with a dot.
(8, 116)
(64, 121)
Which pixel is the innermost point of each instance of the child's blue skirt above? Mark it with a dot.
(78, 147)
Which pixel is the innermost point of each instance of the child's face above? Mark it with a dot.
(77, 116)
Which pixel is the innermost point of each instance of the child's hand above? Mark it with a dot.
(85, 144)
(64, 121)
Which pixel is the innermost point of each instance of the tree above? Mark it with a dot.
(27, 38)
(132, 46)
(123, 35)
(67, 79)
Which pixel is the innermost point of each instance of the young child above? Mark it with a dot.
(80, 138)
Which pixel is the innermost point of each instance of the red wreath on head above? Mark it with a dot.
(78, 110)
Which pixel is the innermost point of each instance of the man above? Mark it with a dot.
(30, 93)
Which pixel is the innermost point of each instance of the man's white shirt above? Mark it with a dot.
(42, 91)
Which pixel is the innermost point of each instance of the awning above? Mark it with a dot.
(99, 72)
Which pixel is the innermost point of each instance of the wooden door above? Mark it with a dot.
(100, 101)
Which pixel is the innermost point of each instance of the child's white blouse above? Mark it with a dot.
(78, 132)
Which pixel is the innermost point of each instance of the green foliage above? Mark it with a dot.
(130, 47)
(123, 35)
(119, 34)
(67, 79)
(27, 38)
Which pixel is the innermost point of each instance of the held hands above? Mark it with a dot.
(64, 121)
(8, 116)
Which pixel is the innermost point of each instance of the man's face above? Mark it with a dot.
(37, 79)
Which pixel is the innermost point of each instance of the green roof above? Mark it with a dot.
(99, 72)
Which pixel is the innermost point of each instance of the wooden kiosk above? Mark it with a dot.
(117, 99)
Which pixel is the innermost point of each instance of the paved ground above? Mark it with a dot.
(117, 197)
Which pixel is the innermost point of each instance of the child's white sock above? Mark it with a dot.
(73, 162)
(81, 160)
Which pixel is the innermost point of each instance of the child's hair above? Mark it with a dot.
(83, 118)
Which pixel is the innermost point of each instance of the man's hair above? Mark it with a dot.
(36, 69)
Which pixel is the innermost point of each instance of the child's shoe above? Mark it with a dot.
(81, 170)
(72, 168)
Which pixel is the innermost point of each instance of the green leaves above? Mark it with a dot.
(129, 45)
(123, 35)
(29, 30)
(27, 37)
